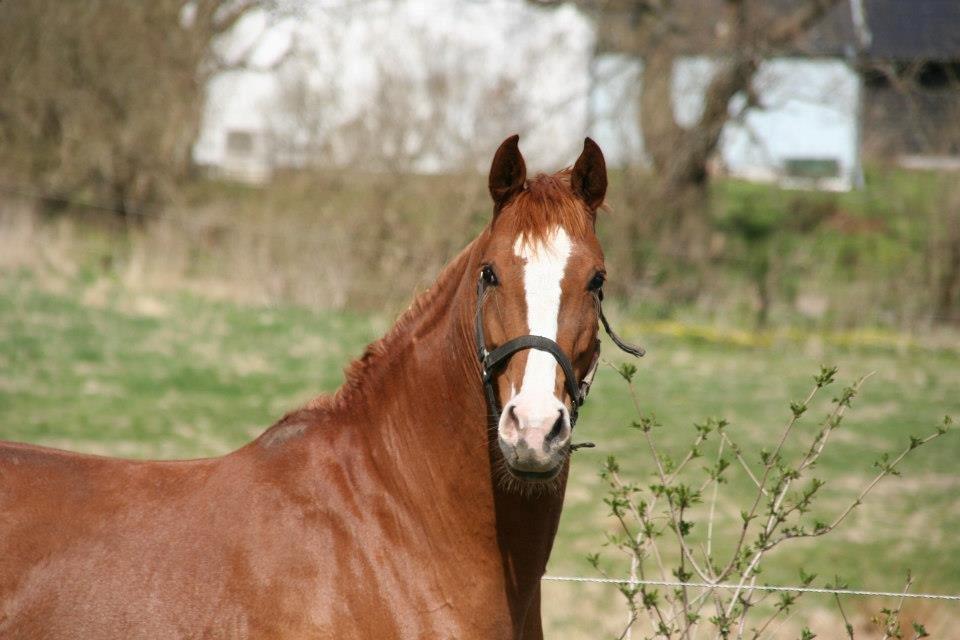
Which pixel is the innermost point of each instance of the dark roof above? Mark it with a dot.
(900, 30)
(914, 29)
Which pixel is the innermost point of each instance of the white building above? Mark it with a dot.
(370, 82)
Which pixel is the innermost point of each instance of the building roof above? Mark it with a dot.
(914, 29)
(896, 30)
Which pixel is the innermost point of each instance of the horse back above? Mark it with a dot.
(81, 534)
(259, 543)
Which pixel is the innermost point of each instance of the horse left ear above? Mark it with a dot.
(588, 180)
(508, 172)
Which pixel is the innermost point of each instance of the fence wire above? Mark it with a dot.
(767, 587)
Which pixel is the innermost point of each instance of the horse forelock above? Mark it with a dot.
(547, 203)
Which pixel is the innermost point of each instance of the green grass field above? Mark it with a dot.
(96, 368)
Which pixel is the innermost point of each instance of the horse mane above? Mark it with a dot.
(547, 202)
(422, 311)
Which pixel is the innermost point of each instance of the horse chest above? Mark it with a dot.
(390, 574)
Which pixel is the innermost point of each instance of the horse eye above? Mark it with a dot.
(488, 275)
(597, 281)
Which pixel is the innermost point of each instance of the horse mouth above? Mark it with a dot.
(536, 476)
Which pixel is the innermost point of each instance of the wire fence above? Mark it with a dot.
(779, 588)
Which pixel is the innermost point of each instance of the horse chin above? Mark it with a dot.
(535, 476)
(529, 483)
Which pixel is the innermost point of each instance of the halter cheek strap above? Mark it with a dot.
(491, 360)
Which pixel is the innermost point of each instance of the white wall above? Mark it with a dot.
(809, 111)
(544, 54)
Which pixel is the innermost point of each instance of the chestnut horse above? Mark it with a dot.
(406, 505)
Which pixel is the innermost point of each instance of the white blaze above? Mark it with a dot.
(546, 262)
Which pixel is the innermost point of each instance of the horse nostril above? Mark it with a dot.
(512, 420)
(557, 428)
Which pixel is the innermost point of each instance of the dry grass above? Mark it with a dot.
(319, 242)
(370, 241)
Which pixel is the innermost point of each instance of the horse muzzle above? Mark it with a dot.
(534, 435)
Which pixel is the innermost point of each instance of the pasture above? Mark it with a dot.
(97, 368)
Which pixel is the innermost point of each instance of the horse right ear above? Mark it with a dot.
(508, 173)
(588, 179)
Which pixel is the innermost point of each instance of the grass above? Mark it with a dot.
(100, 369)
(177, 376)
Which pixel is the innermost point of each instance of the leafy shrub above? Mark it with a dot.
(666, 536)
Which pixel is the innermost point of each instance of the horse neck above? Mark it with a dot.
(428, 410)
(423, 378)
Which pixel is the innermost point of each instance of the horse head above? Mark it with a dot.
(540, 277)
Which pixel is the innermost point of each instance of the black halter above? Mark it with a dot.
(491, 360)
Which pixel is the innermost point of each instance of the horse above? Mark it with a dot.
(421, 500)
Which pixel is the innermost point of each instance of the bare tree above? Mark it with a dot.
(103, 98)
(738, 35)
(304, 114)
(431, 102)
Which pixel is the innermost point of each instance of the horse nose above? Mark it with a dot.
(534, 429)
(519, 423)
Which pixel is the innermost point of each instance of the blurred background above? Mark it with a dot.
(207, 207)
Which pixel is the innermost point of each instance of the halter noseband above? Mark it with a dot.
(491, 360)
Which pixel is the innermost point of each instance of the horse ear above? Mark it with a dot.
(508, 172)
(588, 180)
